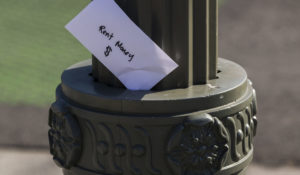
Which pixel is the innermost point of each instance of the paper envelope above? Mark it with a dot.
(108, 33)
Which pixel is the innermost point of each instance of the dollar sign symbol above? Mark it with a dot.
(107, 51)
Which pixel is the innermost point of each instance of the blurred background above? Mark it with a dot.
(262, 36)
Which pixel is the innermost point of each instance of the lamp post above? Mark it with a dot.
(201, 119)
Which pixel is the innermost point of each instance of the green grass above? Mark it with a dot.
(221, 2)
(35, 48)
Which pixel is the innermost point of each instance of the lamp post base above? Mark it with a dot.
(204, 129)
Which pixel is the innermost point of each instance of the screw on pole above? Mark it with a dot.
(185, 30)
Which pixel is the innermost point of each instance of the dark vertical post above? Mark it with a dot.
(213, 38)
(205, 40)
(175, 40)
(201, 41)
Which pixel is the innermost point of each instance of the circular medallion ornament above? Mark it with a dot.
(198, 146)
(64, 136)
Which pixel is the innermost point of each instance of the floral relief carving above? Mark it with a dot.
(64, 137)
(198, 146)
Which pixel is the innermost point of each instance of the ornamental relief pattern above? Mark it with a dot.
(64, 136)
(242, 129)
(198, 146)
(110, 149)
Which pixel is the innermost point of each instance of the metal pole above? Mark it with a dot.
(195, 121)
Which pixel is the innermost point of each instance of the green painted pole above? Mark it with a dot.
(196, 121)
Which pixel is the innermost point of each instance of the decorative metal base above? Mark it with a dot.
(204, 129)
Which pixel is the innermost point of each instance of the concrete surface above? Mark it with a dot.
(23, 126)
(256, 169)
(20, 162)
(264, 37)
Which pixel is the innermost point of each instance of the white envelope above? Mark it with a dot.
(108, 33)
